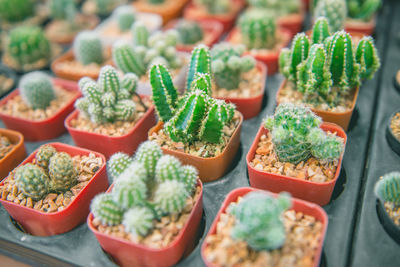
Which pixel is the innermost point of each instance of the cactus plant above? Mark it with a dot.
(200, 62)
(129, 191)
(294, 136)
(335, 11)
(32, 180)
(36, 89)
(189, 176)
(117, 164)
(148, 154)
(387, 189)
(280, 8)
(168, 168)
(62, 172)
(44, 154)
(214, 6)
(170, 197)
(106, 210)
(138, 221)
(135, 170)
(363, 9)
(228, 64)
(125, 17)
(62, 9)
(88, 48)
(190, 32)
(367, 57)
(320, 30)
(258, 220)
(16, 10)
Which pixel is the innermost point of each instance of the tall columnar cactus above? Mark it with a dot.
(117, 164)
(320, 30)
(367, 57)
(129, 191)
(190, 32)
(295, 137)
(363, 9)
(334, 10)
(278, 7)
(28, 45)
(259, 220)
(88, 48)
(44, 154)
(214, 6)
(106, 210)
(387, 189)
(36, 89)
(16, 10)
(228, 64)
(125, 17)
(62, 172)
(148, 154)
(200, 63)
(62, 9)
(32, 180)
(170, 197)
(138, 221)
(258, 29)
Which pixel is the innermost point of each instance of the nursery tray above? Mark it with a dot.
(354, 237)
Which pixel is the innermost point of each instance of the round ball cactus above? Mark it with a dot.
(117, 164)
(44, 154)
(36, 90)
(189, 176)
(148, 154)
(168, 168)
(138, 221)
(325, 147)
(88, 48)
(189, 32)
(106, 210)
(16, 10)
(129, 191)
(135, 170)
(387, 189)
(125, 16)
(170, 197)
(62, 172)
(32, 180)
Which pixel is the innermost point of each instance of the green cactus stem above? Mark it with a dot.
(32, 180)
(87, 48)
(168, 168)
(106, 210)
(138, 221)
(367, 57)
(44, 154)
(129, 191)
(189, 176)
(190, 32)
(200, 62)
(36, 89)
(387, 189)
(335, 11)
(62, 172)
(148, 154)
(117, 164)
(320, 30)
(170, 197)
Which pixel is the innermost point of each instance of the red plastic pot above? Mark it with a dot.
(127, 253)
(319, 193)
(361, 27)
(15, 155)
(193, 12)
(108, 145)
(46, 224)
(297, 205)
(212, 32)
(250, 107)
(43, 129)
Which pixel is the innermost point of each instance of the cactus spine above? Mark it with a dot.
(88, 48)
(106, 210)
(138, 221)
(16, 10)
(367, 57)
(62, 172)
(363, 9)
(117, 164)
(335, 11)
(387, 189)
(190, 32)
(36, 90)
(32, 181)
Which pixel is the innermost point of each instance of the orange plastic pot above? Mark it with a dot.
(15, 155)
(298, 205)
(127, 253)
(269, 58)
(212, 32)
(108, 145)
(319, 193)
(43, 129)
(169, 10)
(194, 12)
(250, 107)
(362, 27)
(209, 169)
(293, 22)
(40, 223)
(340, 118)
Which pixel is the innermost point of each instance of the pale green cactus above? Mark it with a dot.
(189, 176)
(148, 154)
(106, 210)
(363, 9)
(129, 191)
(32, 180)
(62, 172)
(88, 48)
(168, 168)
(125, 17)
(335, 11)
(36, 89)
(387, 189)
(138, 221)
(190, 32)
(117, 164)
(44, 154)
(135, 170)
(170, 197)
(214, 6)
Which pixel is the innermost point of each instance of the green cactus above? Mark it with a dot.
(259, 220)
(156, 2)
(367, 57)
(129, 191)
(28, 45)
(170, 197)
(44, 154)
(294, 138)
(16, 10)
(62, 172)
(105, 7)
(36, 89)
(200, 62)
(335, 11)
(87, 48)
(168, 168)
(128, 59)
(62, 9)
(138, 221)
(215, 6)
(189, 176)
(190, 32)
(258, 29)
(387, 189)
(320, 31)
(363, 9)
(117, 164)
(148, 154)
(140, 34)
(106, 210)
(228, 64)
(32, 180)
(125, 17)
(280, 8)
(135, 170)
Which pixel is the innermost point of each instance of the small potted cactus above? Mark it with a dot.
(110, 113)
(258, 228)
(325, 72)
(257, 29)
(49, 193)
(40, 105)
(393, 131)
(361, 15)
(12, 151)
(167, 9)
(294, 152)
(335, 12)
(196, 128)
(223, 11)
(136, 220)
(387, 191)
(101, 8)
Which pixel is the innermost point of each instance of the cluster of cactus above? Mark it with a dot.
(146, 50)
(362, 9)
(53, 172)
(28, 45)
(63, 9)
(296, 135)
(88, 48)
(387, 189)
(330, 66)
(279, 7)
(335, 11)
(16, 10)
(259, 220)
(110, 98)
(36, 90)
(258, 29)
(125, 17)
(189, 31)
(228, 64)
(146, 187)
(215, 6)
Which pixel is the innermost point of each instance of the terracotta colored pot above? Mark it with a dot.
(250, 107)
(209, 169)
(293, 22)
(269, 58)
(194, 12)
(46, 224)
(365, 28)
(212, 32)
(298, 205)
(168, 10)
(340, 118)
(319, 193)
(43, 129)
(15, 155)
(108, 145)
(127, 253)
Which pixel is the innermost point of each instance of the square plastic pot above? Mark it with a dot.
(362, 27)
(168, 10)
(42, 129)
(40, 223)
(340, 118)
(297, 205)
(212, 168)
(108, 145)
(15, 155)
(127, 253)
(319, 193)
